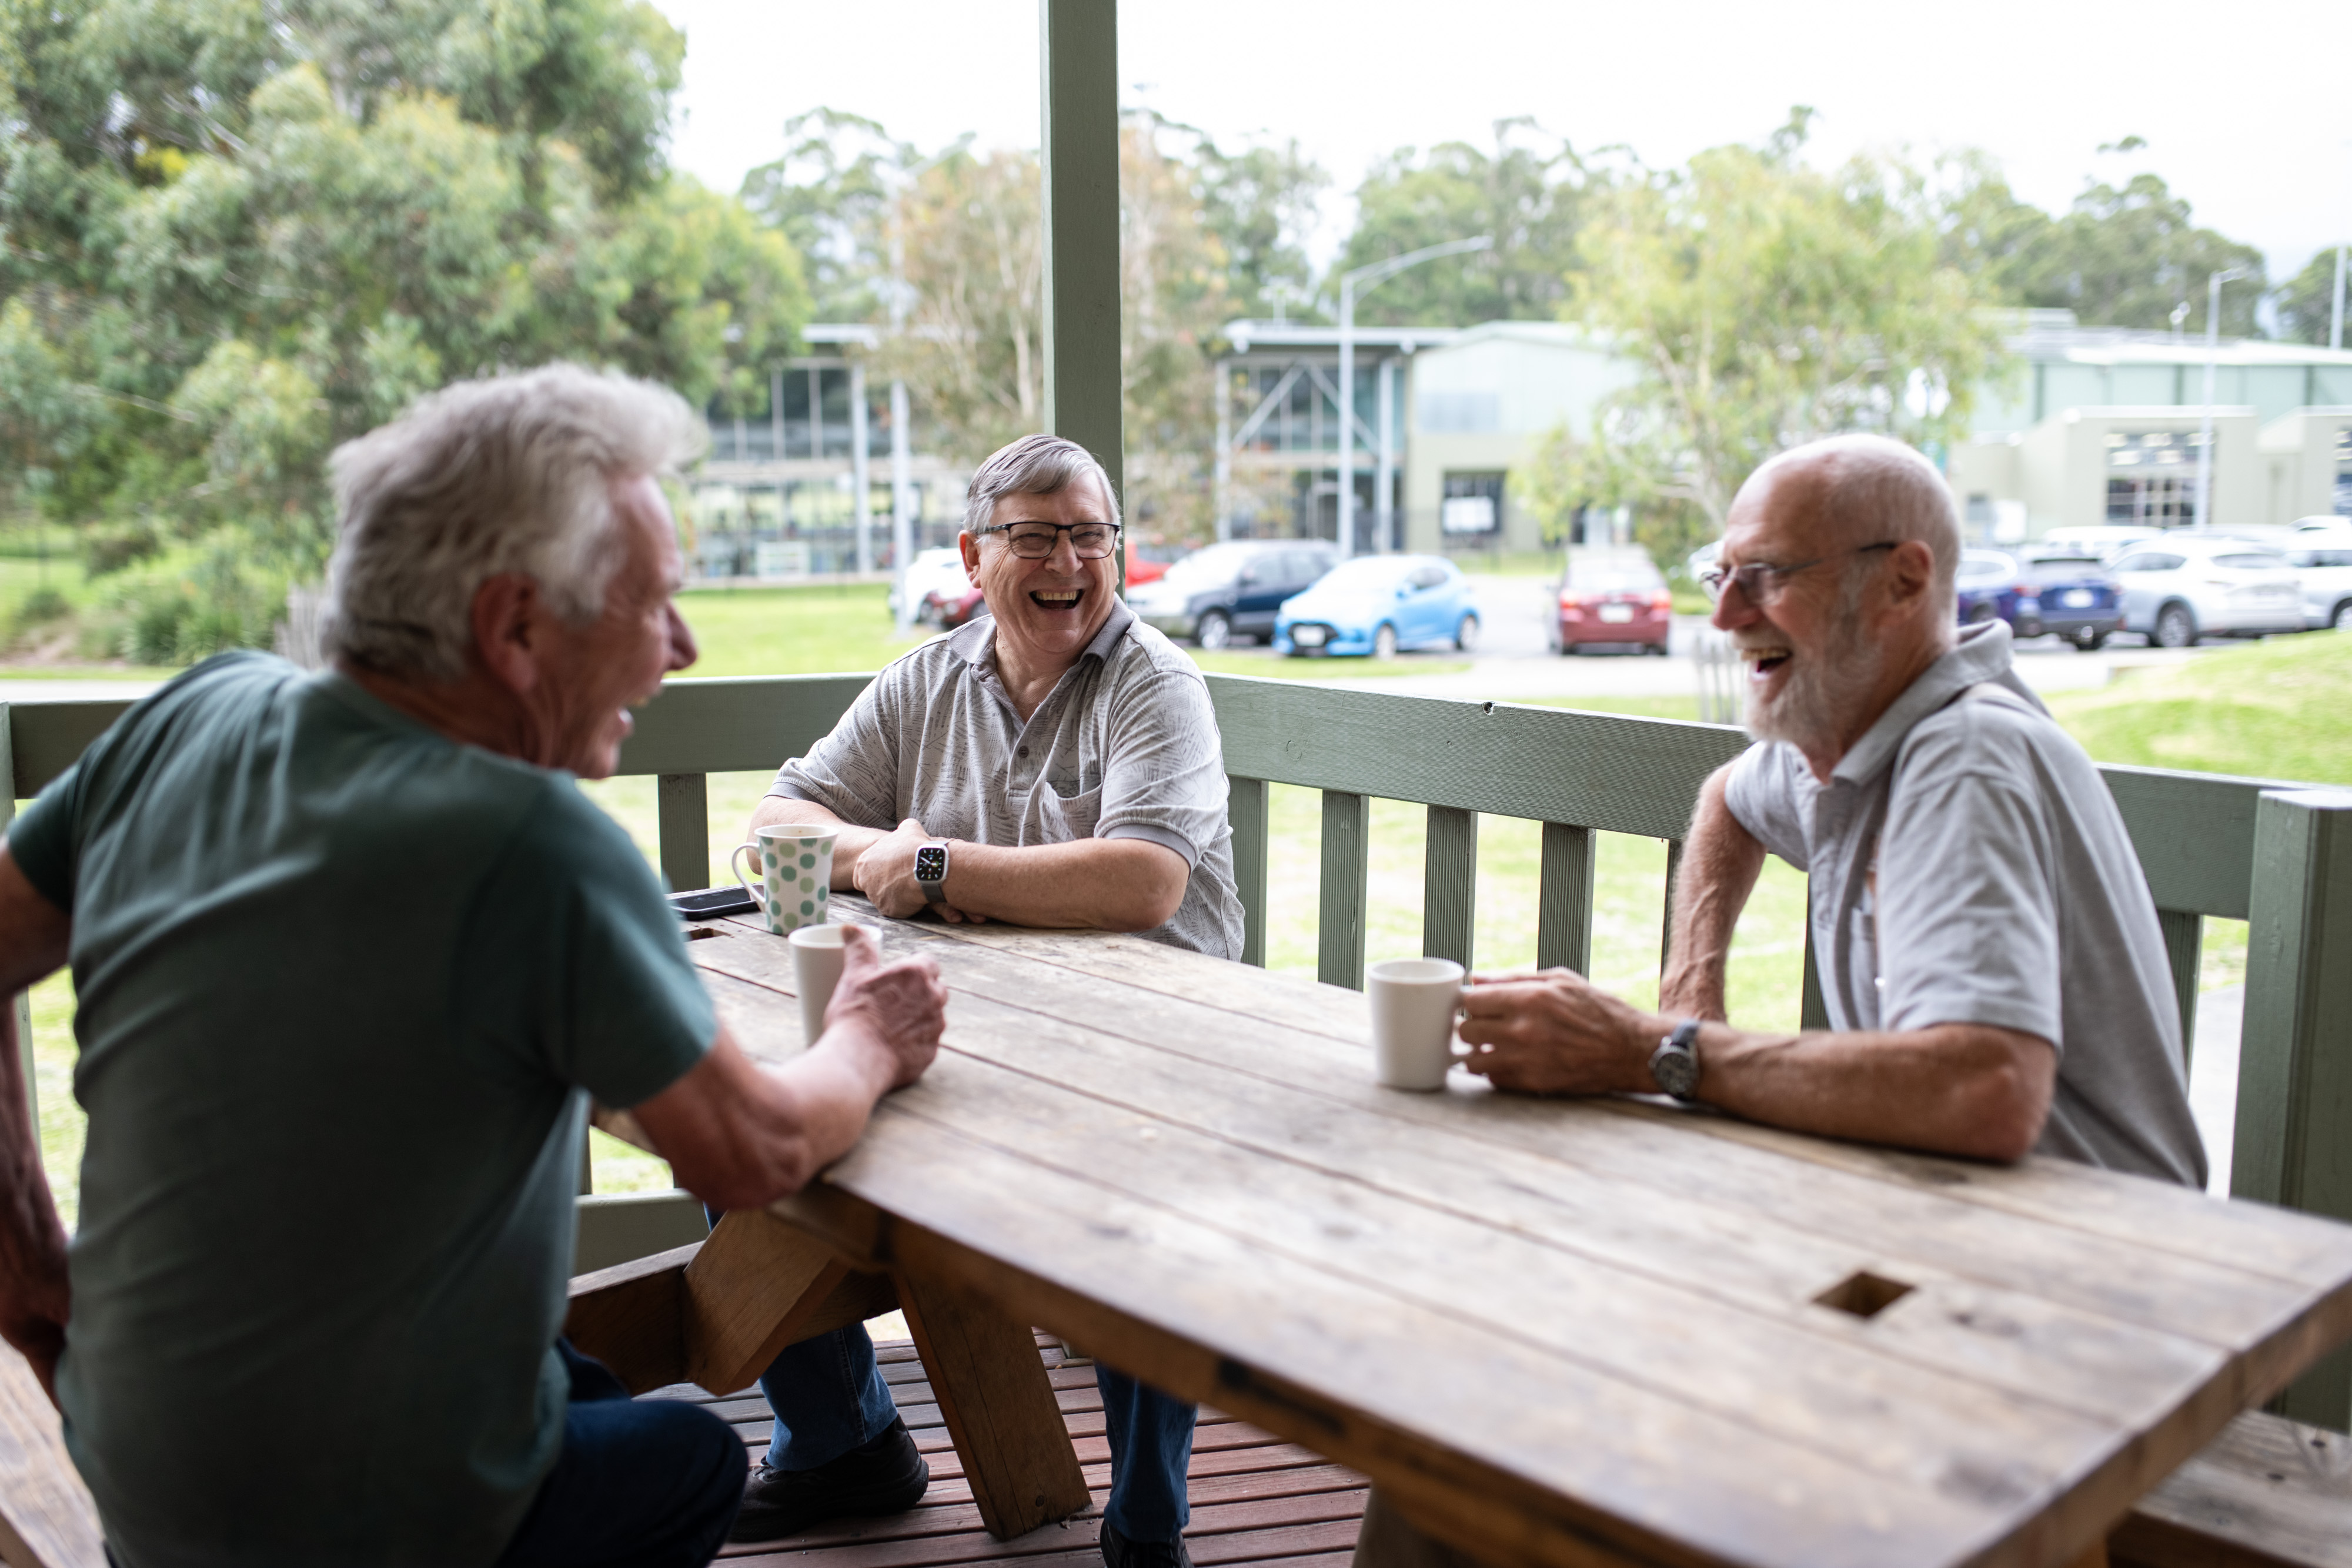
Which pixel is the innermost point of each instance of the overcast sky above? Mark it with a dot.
(2244, 112)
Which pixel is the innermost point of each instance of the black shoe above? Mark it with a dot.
(1119, 1551)
(884, 1475)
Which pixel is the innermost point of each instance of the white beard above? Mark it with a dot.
(1821, 689)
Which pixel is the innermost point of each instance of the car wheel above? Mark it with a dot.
(2342, 619)
(1661, 650)
(1216, 630)
(1384, 642)
(2090, 641)
(1568, 650)
(2175, 627)
(1466, 637)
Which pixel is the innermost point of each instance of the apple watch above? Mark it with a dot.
(1675, 1064)
(931, 870)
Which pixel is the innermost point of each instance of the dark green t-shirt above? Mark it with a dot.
(345, 987)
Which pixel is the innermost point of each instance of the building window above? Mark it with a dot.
(2152, 478)
(1472, 507)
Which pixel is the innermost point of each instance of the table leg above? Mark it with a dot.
(999, 1406)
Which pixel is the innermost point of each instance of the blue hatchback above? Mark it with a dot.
(2072, 595)
(1377, 604)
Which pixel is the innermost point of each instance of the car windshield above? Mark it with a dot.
(1210, 567)
(2066, 566)
(2252, 560)
(1370, 571)
(1983, 566)
(1615, 581)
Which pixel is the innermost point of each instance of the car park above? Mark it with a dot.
(2181, 587)
(2106, 540)
(1232, 590)
(2041, 593)
(1378, 604)
(933, 573)
(2323, 560)
(1613, 600)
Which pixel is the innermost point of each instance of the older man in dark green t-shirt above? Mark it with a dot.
(352, 952)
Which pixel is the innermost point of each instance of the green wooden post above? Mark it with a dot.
(22, 1003)
(1449, 892)
(1564, 899)
(1667, 927)
(2184, 939)
(1812, 1011)
(683, 805)
(2294, 1063)
(1248, 808)
(1346, 841)
(1079, 79)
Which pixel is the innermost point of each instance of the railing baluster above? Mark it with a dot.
(2295, 1065)
(1248, 808)
(1564, 899)
(1347, 842)
(1449, 886)
(1812, 1011)
(22, 1002)
(683, 804)
(2184, 940)
(1666, 927)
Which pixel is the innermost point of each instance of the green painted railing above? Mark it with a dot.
(2278, 856)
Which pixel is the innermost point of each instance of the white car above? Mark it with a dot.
(2107, 542)
(931, 571)
(2324, 557)
(2177, 589)
(2322, 525)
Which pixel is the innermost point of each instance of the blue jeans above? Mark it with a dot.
(827, 1394)
(640, 1483)
(1151, 1449)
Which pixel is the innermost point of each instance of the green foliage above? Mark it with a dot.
(1529, 194)
(2306, 304)
(1762, 304)
(234, 232)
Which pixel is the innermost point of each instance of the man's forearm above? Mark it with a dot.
(1106, 884)
(849, 841)
(34, 1292)
(1720, 863)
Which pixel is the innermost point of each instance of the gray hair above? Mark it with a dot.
(513, 473)
(1878, 488)
(1033, 465)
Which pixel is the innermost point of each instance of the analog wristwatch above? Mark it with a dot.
(931, 870)
(1675, 1064)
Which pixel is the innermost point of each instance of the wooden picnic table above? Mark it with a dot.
(1555, 1332)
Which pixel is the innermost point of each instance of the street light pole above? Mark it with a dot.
(2212, 356)
(1364, 279)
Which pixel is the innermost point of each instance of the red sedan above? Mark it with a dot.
(1622, 602)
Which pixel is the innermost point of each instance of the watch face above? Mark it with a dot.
(930, 863)
(1677, 1071)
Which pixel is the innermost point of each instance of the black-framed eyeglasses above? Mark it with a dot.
(1035, 541)
(1760, 584)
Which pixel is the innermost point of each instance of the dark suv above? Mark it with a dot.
(1229, 591)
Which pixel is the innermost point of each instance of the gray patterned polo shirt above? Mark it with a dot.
(1124, 747)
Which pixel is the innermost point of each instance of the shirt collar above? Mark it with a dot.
(1980, 653)
(974, 642)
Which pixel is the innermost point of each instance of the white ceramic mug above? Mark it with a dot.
(795, 876)
(818, 954)
(1413, 1003)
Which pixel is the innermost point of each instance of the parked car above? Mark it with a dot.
(932, 571)
(2323, 559)
(1229, 591)
(2321, 525)
(949, 608)
(1377, 604)
(2179, 588)
(2072, 595)
(1617, 600)
(1149, 562)
(2106, 541)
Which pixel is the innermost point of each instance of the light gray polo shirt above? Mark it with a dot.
(1124, 747)
(1968, 866)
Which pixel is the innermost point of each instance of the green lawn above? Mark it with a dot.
(2275, 710)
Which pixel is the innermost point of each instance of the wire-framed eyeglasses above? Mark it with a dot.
(1760, 584)
(1035, 541)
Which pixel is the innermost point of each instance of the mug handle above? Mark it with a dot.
(757, 890)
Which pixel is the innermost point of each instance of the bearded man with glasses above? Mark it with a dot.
(1990, 960)
(1053, 763)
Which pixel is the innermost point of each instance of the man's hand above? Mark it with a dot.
(885, 874)
(904, 1004)
(1554, 1033)
(35, 1304)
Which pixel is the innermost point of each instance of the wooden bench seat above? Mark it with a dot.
(2266, 1493)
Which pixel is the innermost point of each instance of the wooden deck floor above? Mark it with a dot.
(1255, 1499)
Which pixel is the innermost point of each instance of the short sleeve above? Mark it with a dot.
(42, 840)
(1762, 797)
(1164, 768)
(1967, 916)
(853, 772)
(590, 979)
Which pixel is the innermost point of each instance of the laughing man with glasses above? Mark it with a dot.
(1053, 763)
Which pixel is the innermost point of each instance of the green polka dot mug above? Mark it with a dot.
(795, 865)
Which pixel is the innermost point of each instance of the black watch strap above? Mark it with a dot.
(1674, 1066)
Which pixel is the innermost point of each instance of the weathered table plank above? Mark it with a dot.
(1560, 1331)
